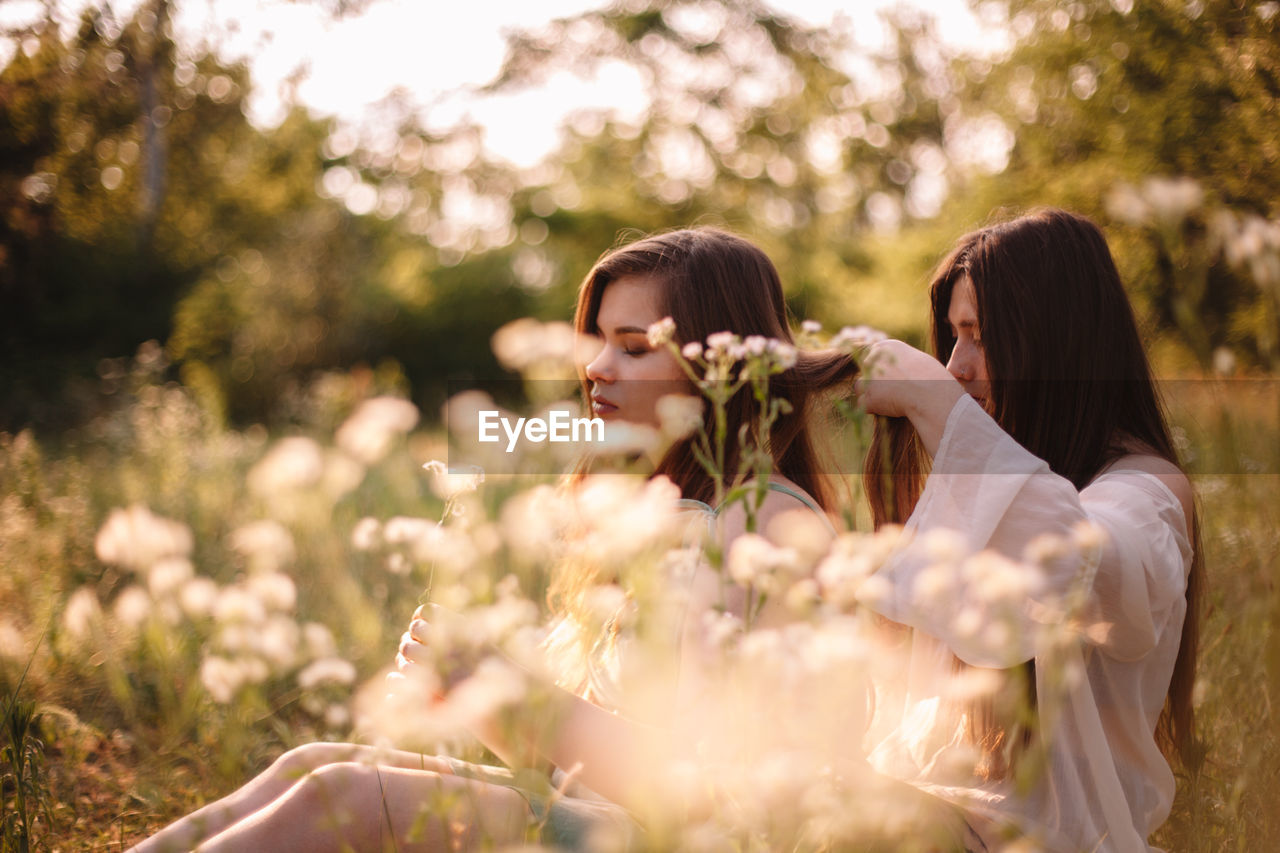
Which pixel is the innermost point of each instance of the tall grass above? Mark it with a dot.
(139, 726)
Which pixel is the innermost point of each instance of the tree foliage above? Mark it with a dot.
(138, 202)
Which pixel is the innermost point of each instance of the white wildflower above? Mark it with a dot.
(341, 474)
(498, 621)
(803, 596)
(238, 637)
(784, 354)
(407, 530)
(132, 607)
(856, 338)
(998, 579)
(968, 621)
(1172, 199)
(761, 648)
(365, 535)
(266, 544)
(874, 591)
(319, 640)
(719, 343)
(532, 522)
(997, 637)
(221, 678)
(935, 584)
(1126, 204)
(292, 463)
(82, 613)
(721, 629)
(605, 602)
(756, 344)
(944, 545)
(12, 644)
(691, 351)
(450, 482)
(1046, 548)
(620, 518)
(368, 433)
(661, 331)
(237, 605)
(624, 438)
(333, 670)
(1089, 536)
(804, 532)
(1200, 692)
(853, 558)
(275, 590)
(136, 538)
(527, 345)
(680, 415)
(811, 326)
(493, 685)
(278, 642)
(253, 670)
(169, 575)
(337, 717)
(1224, 361)
(756, 562)
(198, 596)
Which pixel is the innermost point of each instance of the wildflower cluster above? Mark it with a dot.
(761, 664)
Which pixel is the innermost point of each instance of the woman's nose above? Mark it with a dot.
(600, 368)
(961, 364)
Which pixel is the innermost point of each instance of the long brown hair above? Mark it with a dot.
(715, 281)
(1069, 381)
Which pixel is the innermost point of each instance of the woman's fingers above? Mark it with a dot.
(411, 652)
(419, 629)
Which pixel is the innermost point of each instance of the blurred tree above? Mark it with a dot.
(1113, 102)
(792, 134)
(139, 203)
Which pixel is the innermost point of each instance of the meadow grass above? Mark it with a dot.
(132, 738)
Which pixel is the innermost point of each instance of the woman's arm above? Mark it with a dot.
(901, 381)
(995, 496)
(620, 758)
(614, 756)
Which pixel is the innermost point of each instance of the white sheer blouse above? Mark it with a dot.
(1107, 785)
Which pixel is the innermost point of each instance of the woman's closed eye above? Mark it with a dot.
(969, 331)
(635, 348)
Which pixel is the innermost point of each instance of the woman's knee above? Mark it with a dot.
(341, 777)
(304, 759)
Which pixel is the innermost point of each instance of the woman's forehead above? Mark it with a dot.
(630, 300)
(963, 305)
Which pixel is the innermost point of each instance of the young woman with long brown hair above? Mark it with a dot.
(1038, 411)
(707, 281)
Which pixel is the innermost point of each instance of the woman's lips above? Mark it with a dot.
(601, 407)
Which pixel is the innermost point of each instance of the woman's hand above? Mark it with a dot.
(900, 381)
(413, 655)
(414, 659)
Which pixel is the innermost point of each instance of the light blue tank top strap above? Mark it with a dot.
(691, 503)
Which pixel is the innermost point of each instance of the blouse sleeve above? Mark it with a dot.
(997, 498)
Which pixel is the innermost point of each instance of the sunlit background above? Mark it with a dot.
(227, 225)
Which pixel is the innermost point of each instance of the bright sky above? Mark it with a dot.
(349, 65)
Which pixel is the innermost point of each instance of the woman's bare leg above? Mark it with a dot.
(348, 806)
(185, 833)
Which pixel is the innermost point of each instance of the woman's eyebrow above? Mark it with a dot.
(630, 330)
